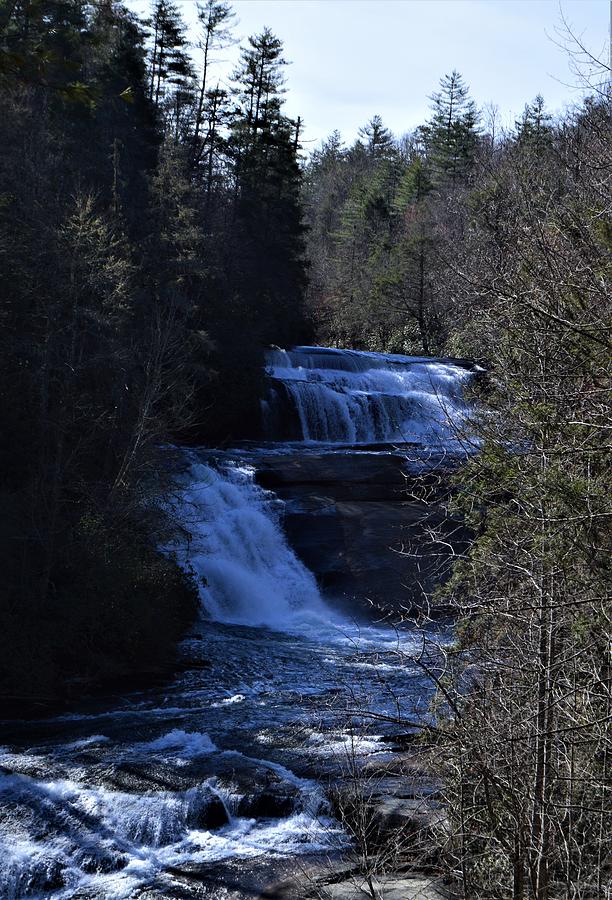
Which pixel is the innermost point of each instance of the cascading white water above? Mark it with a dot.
(350, 396)
(65, 838)
(247, 572)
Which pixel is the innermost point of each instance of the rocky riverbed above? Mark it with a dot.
(230, 780)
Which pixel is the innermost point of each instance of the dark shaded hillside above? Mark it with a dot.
(150, 233)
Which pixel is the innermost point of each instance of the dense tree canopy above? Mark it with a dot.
(389, 212)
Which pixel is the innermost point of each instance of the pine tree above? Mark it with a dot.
(215, 18)
(42, 43)
(265, 144)
(534, 129)
(119, 132)
(327, 183)
(217, 116)
(378, 140)
(362, 255)
(451, 135)
(413, 255)
(259, 88)
(170, 66)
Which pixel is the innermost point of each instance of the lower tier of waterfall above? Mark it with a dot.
(235, 545)
(214, 781)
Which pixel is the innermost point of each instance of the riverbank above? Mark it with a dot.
(114, 620)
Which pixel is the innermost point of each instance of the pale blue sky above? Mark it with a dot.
(352, 59)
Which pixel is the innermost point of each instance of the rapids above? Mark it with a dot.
(218, 778)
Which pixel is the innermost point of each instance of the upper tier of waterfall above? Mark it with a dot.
(247, 572)
(357, 397)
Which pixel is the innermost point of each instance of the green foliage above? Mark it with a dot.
(380, 218)
(414, 186)
(269, 229)
(451, 135)
(378, 140)
(41, 46)
(534, 129)
(170, 67)
(526, 752)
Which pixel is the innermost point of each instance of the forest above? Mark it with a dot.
(159, 233)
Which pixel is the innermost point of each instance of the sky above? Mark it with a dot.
(352, 59)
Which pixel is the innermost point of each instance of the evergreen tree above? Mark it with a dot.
(414, 252)
(534, 129)
(415, 185)
(217, 117)
(170, 66)
(378, 140)
(327, 183)
(41, 43)
(451, 135)
(268, 214)
(119, 130)
(363, 244)
(259, 88)
(215, 17)
(81, 375)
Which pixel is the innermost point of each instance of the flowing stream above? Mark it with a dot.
(220, 775)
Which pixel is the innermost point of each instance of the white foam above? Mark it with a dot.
(229, 701)
(349, 396)
(91, 741)
(143, 833)
(345, 746)
(189, 743)
(246, 570)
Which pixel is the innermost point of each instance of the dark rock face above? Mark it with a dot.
(94, 861)
(351, 519)
(212, 815)
(267, 804)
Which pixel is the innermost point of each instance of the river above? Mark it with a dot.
(216, 783)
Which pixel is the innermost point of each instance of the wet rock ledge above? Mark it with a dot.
(363, 523)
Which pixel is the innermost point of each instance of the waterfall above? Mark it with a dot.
(355, 397)
(247, 572)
